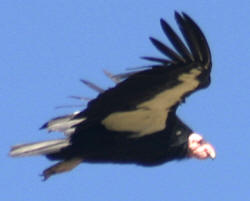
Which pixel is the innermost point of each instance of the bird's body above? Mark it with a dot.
(99, 144)
(136, 121)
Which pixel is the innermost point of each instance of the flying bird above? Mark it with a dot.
(135, 122)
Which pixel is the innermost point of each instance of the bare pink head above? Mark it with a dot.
(199, 148)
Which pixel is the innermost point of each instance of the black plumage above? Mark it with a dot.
(135, 121)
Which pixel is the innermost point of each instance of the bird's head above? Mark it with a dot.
(199, 148)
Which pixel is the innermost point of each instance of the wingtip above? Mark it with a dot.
(162, 21)
(180, 14)
(151, 38)
(185, 15)
(177, 14)
(154, 41)
(164, 24)
(84, 81)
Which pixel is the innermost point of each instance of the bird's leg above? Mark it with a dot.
(61, 167)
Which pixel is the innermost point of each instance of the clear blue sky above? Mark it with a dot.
(47, 46)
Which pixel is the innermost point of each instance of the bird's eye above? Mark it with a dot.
(178, 132)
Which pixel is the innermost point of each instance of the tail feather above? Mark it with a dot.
(39, 148)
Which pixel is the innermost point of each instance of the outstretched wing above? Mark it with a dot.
(140, 104)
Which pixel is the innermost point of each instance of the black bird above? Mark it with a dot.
(135, 121)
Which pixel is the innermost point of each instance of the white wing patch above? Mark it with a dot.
(141, 121)
(150, 116)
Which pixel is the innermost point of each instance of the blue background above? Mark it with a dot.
(48, 46)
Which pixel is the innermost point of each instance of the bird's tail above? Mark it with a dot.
(39, 148)
(48, 148)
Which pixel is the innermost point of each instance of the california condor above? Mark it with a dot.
(135, 121)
